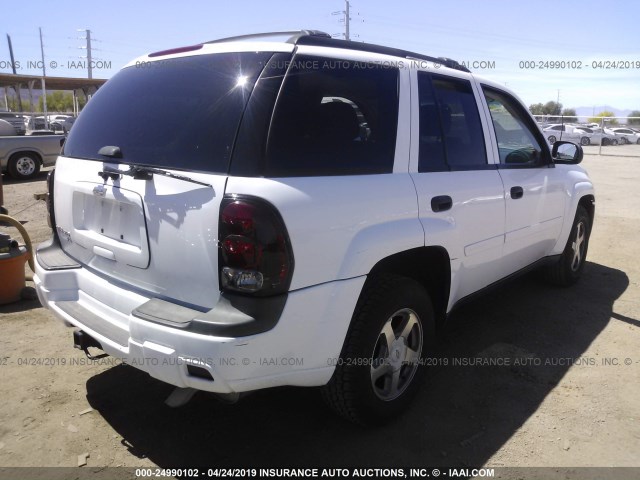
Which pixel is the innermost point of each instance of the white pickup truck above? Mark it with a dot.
(23, 155)
(307, 213)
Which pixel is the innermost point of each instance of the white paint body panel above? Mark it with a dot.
(174, 224)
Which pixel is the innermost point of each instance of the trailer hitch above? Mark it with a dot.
(83, 341)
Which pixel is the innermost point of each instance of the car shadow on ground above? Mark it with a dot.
(461, 418)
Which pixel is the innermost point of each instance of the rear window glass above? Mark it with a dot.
(181, 113)
(451, 134)
(334, 117)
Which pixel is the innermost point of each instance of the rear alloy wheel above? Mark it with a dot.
(380, 368)
(585, 141)
(396, 354)
(567, 270)
(23, 166)
(552, 139)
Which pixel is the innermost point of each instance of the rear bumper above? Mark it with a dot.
(298, 349)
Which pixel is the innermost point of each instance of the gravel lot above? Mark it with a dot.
(574, 403)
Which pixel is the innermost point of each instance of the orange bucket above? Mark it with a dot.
(12, 274)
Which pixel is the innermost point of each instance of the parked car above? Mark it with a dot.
(265, 239)
(625, 135)
(559, 131)
(595, 136)
(23, 156)
(61, 123)
(35, 123)
(16, 121)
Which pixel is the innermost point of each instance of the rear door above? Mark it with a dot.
(154, 233)
(460, 193)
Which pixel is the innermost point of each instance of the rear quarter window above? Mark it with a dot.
(334, 117)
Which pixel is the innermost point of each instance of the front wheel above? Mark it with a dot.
(624, 141)
(381, 365)
(23, 166)
(552, 139)
(567, 270)
(614, 141)
(585, 141)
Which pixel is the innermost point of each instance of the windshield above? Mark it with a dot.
(181, 113)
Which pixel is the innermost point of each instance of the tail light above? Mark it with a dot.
(255, 251)
(51, 218)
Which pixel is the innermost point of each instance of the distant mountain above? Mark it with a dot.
(591, 111)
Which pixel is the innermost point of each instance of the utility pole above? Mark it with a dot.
(16, 87)
(89, 51)
(44, 89)
(13, 62)
(345, 19)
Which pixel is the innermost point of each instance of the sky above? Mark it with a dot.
(513, 43)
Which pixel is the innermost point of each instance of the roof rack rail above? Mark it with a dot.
(370, 47)
(291, 36)
(323, 39)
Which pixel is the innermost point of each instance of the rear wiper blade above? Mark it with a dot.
(146, 173)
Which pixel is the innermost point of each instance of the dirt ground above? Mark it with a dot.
(574, 402)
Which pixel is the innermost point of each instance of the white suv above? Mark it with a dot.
(307, 213)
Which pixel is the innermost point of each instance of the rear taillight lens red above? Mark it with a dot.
(255, 251)
(51, 218)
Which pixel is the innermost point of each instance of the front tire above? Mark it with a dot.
(585, 141)
(381, 365)
(552, 139)
(23, 166)
(568, 269)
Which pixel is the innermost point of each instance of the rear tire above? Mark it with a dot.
(23, 166)
(568, 269)
(552, 139)
(381, 365)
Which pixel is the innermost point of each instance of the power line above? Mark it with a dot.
(429, 27)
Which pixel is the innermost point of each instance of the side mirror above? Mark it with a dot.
(567, 153)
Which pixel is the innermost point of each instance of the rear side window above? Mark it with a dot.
(451, 134)
(181, 113)
(334, 117)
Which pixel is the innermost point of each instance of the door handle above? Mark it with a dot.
(441, 203)
(516, 192)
